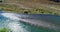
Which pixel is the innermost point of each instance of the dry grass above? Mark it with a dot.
(33, 4)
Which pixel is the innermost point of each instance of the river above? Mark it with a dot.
(30, 22)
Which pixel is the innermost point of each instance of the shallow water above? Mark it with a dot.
(13, 22)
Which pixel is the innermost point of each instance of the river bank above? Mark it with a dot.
(30, 7)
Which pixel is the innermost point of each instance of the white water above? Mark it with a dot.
(13, 22)
(16, 28)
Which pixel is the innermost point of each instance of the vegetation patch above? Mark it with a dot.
(34, 10)
(15, 9)
(5, 30)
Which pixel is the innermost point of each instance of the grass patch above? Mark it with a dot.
(14, 8)
(5, 30)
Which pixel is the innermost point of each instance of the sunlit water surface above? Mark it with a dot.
(16, 25)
